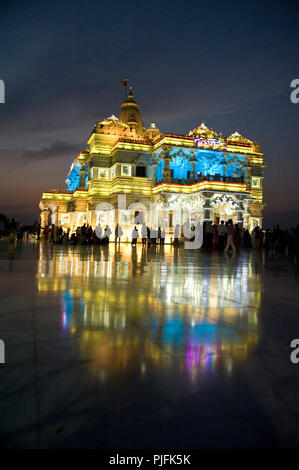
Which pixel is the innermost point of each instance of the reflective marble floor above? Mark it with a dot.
(147, 348)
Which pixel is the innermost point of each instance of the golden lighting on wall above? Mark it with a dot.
(203, 185)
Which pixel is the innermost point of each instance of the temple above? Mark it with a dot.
(127, 168)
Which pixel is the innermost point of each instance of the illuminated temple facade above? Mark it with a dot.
(201, 174)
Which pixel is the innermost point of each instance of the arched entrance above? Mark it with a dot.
(223, 208)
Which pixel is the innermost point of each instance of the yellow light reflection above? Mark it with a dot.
(158, 307)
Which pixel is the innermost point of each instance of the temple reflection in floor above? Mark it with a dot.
(133, 307)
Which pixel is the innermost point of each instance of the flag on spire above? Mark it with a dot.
(124, 81)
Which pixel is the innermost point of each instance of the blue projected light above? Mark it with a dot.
(86, 175)
(212, 334)
(181, 153)
(173, 331)
(68, 303)
(159, 170)
(207, 162)
(68, 308)
(180, 167)
(204, 334)
(74, 177)
(179, 163)
(235, 166)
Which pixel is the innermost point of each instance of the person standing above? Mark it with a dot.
(107, 234)
(19, 233)
(247, 239)
(98, 231)
(237, 237)
(46, 233)
(215, 236)
(209, 235)
(118, 233)
(89, 234)
(162, 237)
(143, 233)
(148, 234)
(52, 233)
(176, 235)
(135, 235)
(256, 233)
(159, 234)
(222, 232)
(230, 237)
(153, 235)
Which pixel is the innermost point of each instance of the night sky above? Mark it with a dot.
(229, 64)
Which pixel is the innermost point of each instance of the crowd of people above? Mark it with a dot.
(223, 236)
(15, 231)
(85, 234)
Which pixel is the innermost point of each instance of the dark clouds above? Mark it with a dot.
(227, 63)
(56, 150)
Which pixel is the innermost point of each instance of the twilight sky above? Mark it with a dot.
(229, 64)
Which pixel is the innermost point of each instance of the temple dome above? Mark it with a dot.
(204, 132)
(111, 125)
(238, 138)
(153, 132)
(130, 113)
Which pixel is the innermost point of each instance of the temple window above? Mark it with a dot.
(65, 219)
(126, 170)
(103, 173)
(141, 171)
(255, 182)
(124, 217)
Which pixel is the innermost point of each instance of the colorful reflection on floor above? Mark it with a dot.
(161, 307)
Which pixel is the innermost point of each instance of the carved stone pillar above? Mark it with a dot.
(246, 214)
(207, 207)
(154, 165)
(82, 180)
(248, 177)
(58, 217)
(192, 161)
(44, 220)
(166, 169)
(240, 217)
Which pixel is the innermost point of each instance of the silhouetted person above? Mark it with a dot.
(135, 235)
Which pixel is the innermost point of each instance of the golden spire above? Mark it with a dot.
(130, 113)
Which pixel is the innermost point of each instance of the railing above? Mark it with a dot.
(189, 181)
